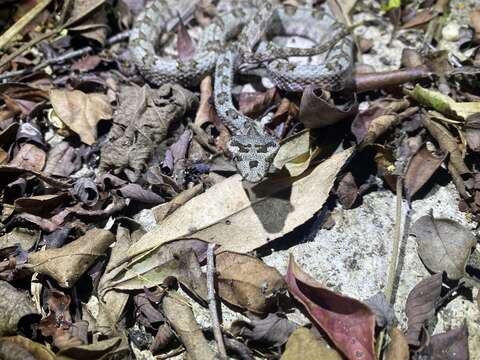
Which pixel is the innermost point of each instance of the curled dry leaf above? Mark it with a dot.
(318, 109)
(14, 305)
(81, 112)
(447, 143)
(349, 323)
(303, 345)
(452, 345)
(420, 306)
(246, 281)
(420, 169)
(398, 347)
(185, 45)
(274, 330)
(443, 245)
(69, 262)
(62, 160)
(250, 222)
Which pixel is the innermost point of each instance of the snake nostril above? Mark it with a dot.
(253, 164)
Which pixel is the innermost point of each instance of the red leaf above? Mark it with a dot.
(348, 322)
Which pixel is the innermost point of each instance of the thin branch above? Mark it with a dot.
(22, 23)
(212, 301)
(64, 57)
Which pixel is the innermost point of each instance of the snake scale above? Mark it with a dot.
(229, 40)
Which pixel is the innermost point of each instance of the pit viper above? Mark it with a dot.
(229, 40)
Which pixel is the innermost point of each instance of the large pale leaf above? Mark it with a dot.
(349, 323)
(443, 245)
(227, 215)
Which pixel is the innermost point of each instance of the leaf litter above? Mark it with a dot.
(113, 191)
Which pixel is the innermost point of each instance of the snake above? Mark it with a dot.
(229, 40)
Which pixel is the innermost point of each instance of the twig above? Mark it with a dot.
(24, 21)
(44, 36)
(64, 57)
(212, 301)
(392, 267)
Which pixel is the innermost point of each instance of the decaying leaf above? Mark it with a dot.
(20, 347)
(384, 313)
(472, 131)
(25, 237)
(112, 303)
(303, 345)
(81, 112)
(92, 351)
(349, 323)
(180, 316)
(347, 191)
(420, 169)
(422, 17)
(185, 45)
(246, 281)
(447, 143)
(398, 347)
(249, 222)
(14, 305)
(420, 306)
(29, 157)
(177, 259)
(296, 153)
(444, 104)
(274, 330)
(69, 262)
(318, 109)
(452, 345)
(443, 245)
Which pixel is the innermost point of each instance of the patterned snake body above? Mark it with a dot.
(252, 146)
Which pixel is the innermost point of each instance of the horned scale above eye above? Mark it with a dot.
(251, 145)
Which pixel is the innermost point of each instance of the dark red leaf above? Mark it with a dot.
(349, 323)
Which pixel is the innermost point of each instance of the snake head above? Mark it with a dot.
(253, 153)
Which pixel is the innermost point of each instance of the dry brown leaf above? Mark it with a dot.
(81, 112)
(226, 208)
(247, 282)
(420, 169)
(69, 262)
(398, 347)
(14, 305)
(29, 157)
(178, 312)
(19, 347)
(422, 17)
(447, 143)
(303, 345)
(443, 245)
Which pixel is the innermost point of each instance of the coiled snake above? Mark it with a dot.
(251, 145)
